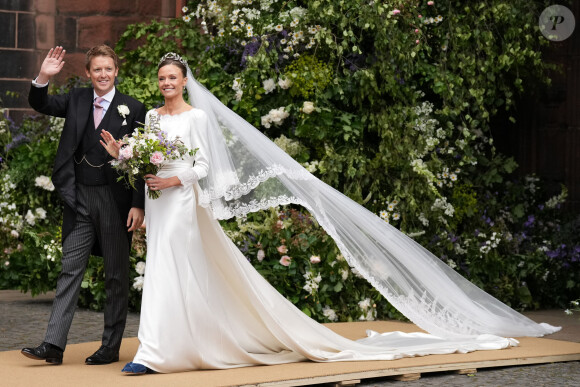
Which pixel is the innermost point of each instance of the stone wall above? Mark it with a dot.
(29, 28)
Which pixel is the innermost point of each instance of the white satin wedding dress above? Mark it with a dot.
(205, 307)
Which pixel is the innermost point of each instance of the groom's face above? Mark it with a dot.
(102, 72)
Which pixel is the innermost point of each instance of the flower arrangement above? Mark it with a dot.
(144, 152)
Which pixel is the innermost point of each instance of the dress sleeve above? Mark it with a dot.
(198, 127)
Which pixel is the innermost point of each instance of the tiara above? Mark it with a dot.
(172, 56)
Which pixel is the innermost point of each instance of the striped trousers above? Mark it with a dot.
(97, 221)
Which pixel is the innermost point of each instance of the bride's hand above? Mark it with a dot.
(156, 183)
(110, 144)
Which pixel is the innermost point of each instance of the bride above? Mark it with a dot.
(204, 306)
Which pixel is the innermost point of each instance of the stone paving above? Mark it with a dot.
(23, 322)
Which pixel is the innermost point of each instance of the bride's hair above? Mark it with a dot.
(172, 58)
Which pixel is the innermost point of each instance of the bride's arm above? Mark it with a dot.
(199, 140)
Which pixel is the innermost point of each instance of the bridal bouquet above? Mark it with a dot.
(145, 151)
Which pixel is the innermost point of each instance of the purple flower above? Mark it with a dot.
(250, 49)
(530, 221)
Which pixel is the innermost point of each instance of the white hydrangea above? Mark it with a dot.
(269, 85)
(275, 116)
(368, 309)
(30, 218)
(237, 84)
(140, 267)
(312, 282)
(138, 283)
(44, 183)
(284, 83)
(441, 204)
(343, 274)
(41, 213)
(365, 304)
(329, 313)
(311, 166)
(292, 147)
(239, 94)
(298, 12)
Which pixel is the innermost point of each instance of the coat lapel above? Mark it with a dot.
(84, 106)
(115, 120)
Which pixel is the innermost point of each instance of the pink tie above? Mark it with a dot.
(98, 113)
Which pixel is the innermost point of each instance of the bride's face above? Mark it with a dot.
(171, 81)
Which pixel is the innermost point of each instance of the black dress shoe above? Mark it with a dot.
(104, 355)
(45, 351)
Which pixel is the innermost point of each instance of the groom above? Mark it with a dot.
(99, 212)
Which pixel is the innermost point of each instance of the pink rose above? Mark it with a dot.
(285, 260)
(430, 2)
(396, 12)
(282, 249)
(157, 158)
(126, 152)
(314, 259)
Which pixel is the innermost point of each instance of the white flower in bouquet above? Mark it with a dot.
(269, 85)
(140, 267)
(308, 107)
(145, 152)
(14, 233)
(261, 255)
(44, 183)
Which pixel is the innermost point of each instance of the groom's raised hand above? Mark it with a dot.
(51, 65)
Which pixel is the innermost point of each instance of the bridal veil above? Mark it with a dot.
(249, 173)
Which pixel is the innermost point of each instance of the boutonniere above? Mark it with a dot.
(123, 112)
